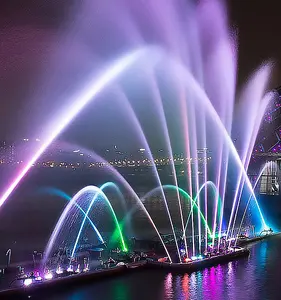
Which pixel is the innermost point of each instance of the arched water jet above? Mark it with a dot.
(146, 145)
(194, 152)
(186, 196)
(113, 171)
(87, 190)
(59, 224)
(245, 161)
(63, 195)
(99, 192)
(157, 95)
(114, 186)
(214, 189)
(188, 154)
(80, 102)
(106, 185)
(213, 115)
(202, 96)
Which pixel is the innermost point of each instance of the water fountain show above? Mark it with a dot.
(175, 89)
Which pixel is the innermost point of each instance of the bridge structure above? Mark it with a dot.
(270, 180)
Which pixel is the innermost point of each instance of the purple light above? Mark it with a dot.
(77, 105)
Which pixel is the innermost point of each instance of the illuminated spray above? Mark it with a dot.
(76, 106)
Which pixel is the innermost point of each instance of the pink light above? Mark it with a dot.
(77, 105)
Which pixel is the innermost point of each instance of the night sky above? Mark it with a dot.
(33, 32)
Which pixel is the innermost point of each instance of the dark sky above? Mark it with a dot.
(32, 30)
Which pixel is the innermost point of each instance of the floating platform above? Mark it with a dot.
(201, 263)
(256, 239)
(80, 279)
(71, 280)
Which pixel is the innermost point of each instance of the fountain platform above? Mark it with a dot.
(257, 239)
(80, 279)
(71, 280)
(202, 263)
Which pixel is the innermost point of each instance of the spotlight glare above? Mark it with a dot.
(27, 282)
(48, 276)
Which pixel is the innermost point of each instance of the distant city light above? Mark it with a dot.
(37, 140)
(76, 151)
(142, 149)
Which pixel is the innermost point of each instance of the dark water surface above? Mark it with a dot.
(256, 277)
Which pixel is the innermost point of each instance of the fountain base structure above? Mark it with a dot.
(243, 242)
(201, 263)
(55, 284)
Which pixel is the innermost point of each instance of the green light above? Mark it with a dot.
(193, 203)
(219, 208)
(123, 245)
(116, 236)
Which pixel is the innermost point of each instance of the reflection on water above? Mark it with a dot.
(256, 277)
(120, 291)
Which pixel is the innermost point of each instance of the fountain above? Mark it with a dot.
(192, 69)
